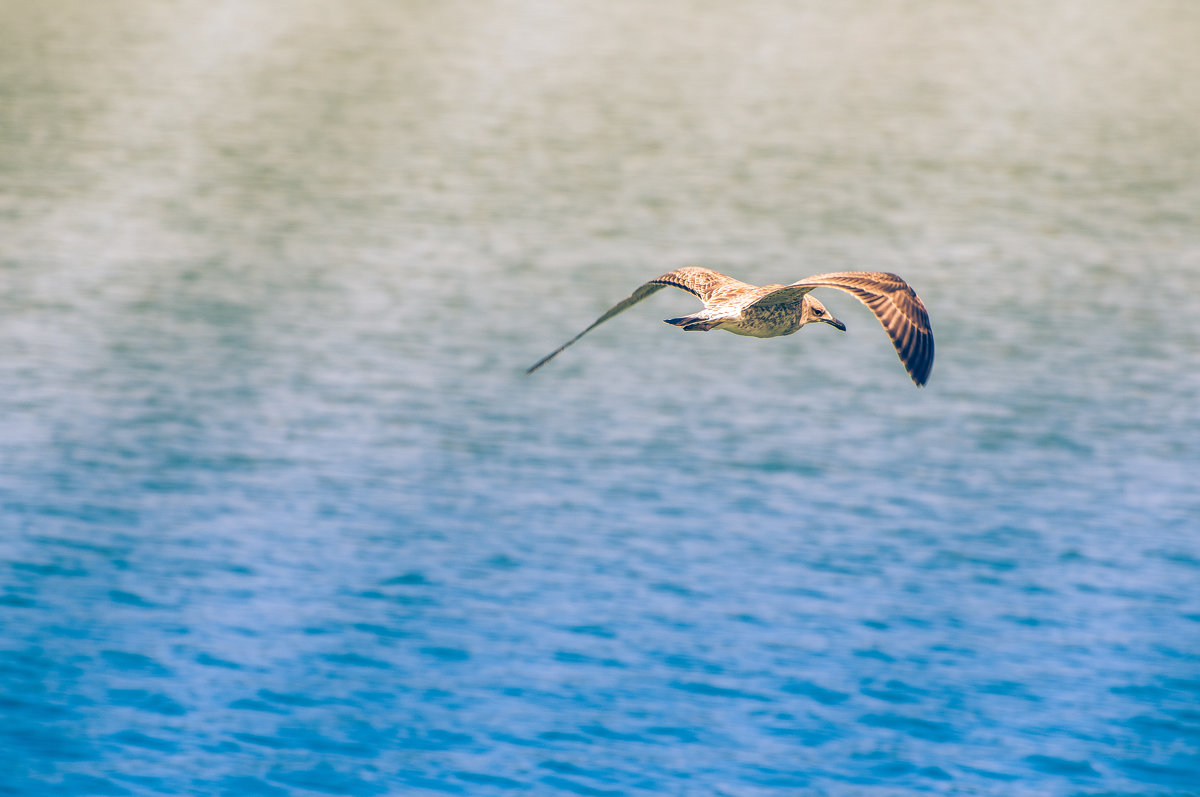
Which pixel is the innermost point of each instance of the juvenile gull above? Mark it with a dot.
(769, 311)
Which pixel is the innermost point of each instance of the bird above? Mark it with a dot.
(768, 311)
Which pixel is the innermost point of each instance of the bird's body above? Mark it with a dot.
(765, 322)
(769, 311)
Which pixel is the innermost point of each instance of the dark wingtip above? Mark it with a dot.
(921, 379)
(540, 363)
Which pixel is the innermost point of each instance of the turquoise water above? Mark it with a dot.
(281, 513)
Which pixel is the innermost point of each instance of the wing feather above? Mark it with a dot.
(895, 304)
(700, 282)
(704, 283)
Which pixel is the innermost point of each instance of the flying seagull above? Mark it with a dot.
(769, 311)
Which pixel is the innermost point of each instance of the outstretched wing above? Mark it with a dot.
(894, 303)
(701, 282)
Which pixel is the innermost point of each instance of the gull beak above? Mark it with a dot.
(833, 322)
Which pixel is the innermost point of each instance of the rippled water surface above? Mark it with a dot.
(280, 513)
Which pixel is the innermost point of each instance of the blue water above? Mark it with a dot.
(281, 515)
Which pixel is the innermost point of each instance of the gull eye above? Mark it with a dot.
(818, 311)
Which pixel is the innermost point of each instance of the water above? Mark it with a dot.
(282, 515)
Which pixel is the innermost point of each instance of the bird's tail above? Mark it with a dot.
(694, 323)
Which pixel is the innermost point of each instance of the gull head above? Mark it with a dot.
(815, 311)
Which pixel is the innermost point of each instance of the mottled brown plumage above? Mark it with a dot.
(768, 311)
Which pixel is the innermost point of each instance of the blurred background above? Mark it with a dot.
(281, 514)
